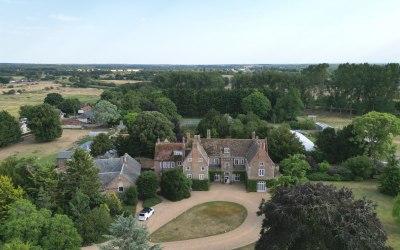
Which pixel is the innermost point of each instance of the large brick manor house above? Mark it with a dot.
(220, 160)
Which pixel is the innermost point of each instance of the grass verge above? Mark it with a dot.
(369, 189)
(203, 220)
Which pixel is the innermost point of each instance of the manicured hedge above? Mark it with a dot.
(251, 185)
(200, 185)
(151, 201)
(317, 176)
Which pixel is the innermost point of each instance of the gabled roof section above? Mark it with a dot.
(111, 168)
(237, 147)
(164, 151)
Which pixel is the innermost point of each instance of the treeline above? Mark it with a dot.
(189, 80)
(352, 88)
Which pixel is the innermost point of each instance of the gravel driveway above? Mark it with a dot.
(245, 234)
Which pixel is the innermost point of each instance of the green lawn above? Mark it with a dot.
(369, 189)
(203, 220)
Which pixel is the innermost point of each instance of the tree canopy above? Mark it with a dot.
(53, 99)
(282, 143)
(147, 128)
(105, 112)
(9, 129)
(101, 144)
(316, 216)
(126, 233)
(377, 129)
(257, 103)
(175, 186)
(43, 121)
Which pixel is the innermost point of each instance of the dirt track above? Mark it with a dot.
(245, 234)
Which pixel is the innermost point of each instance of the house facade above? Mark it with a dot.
(218, 160)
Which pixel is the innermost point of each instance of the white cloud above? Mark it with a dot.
(64, 18)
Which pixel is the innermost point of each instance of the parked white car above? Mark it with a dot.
(146, 213)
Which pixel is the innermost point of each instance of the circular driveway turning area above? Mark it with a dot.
(245, 234)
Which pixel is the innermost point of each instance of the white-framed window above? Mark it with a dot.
(189, 159)
(261, 172)
(261, 186)
(187, 168)
(172, 164)
(261, 164)
(189, 176)
(237, 177)
(236, 161)
(200, 160)
(216, 160)
(226, 164)
(226, 150)
(202, 169)
(179, 163)
(217, 177)
(242, 161)
(176, 152)
(120, 187)
(201, 176)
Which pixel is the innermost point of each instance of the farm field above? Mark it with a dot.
(35, 94)
(46, 152)
(334, 119)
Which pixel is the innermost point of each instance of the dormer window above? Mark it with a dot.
(226, 150)
(178, 153)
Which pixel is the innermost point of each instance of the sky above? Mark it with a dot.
(199, 32)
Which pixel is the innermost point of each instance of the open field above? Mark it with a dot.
(369, 189)
(203, 220)
(334, 119)
(44, 151)
(35, 94)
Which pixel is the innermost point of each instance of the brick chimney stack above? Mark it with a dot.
(208, 134)
(188, 137)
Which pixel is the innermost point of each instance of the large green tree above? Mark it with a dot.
(8, 195)
(126, 233)
(101, 144)
(70, 106)
(377, 129)
(175, 186)
(289, 105)
(9, 129)
(39, 228)
(147, 185)
(281, 143)
(216, 121)
(80, 174)
(295, 165)
(257, 103)
(389, 179)
(53, 99)
(166, 107)
(316, 216)
(105, 113)
(43, 121)
(147, 128)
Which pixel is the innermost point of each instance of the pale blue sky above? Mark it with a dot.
(199, 32)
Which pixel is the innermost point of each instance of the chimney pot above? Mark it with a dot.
(208, 134)
(253, 135)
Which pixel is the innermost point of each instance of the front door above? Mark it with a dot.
(226, 177)
(261, 186)
(217, 177)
